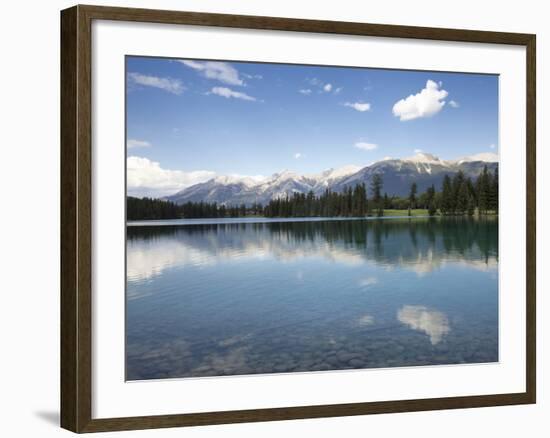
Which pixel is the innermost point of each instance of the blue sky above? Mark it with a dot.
(192, 119)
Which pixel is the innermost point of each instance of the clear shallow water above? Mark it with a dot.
(244, 298)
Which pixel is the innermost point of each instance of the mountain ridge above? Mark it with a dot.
(398, 174)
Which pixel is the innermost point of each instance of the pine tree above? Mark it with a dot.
(483, 187)
(462, 198)
(430, 200)
(412, 196)
(376, 190)
(493, 192)
(471, 205)
(447, 196)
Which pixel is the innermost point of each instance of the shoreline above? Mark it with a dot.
(263, 219)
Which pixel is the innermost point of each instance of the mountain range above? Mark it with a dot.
(397, 174)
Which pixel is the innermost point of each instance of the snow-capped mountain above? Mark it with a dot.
(328, 177)
(398, 175)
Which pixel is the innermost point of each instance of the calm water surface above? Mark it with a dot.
(227, 298)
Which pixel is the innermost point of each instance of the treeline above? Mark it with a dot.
(351, 202)
(149, 209)
(459, 195)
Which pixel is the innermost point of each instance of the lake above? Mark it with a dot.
(230, 297)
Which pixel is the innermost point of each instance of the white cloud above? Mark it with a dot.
(365, 146)
(147, 178)
(358, 106)
(428, 102)
(324, 87)
(133, 143)
(418, 151)
(298, 155)
(492, 146)
(229, 93)
(220, 71)
(454, 104)
(316, 82)
(305, 91)
(173, 86)
(246, 75)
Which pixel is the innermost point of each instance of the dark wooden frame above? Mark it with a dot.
(76, 225)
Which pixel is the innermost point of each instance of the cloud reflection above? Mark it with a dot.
(386, 243)
(432, 322)
(367, 282)
(366, 320)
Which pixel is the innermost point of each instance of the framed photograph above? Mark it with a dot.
(270, 218)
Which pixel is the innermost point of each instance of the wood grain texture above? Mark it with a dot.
(76, 219)
(69, 330)
(531, 217)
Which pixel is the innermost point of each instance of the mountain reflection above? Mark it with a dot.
(256, 298)
(418, 244)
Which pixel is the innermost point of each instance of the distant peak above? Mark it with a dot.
(424, 157)
(226, 179)
(343, 171)
(487, 157)
(284, 174)
(235, 179)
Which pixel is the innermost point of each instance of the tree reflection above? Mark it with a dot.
(386, 241)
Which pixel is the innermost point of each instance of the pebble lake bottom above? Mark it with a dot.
(229, 298)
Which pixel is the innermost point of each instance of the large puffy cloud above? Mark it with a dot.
(229, 93)
(147, 178)
(221, 71)
(173, 86)
(428, 102)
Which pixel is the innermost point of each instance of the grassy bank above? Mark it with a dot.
(414, 212)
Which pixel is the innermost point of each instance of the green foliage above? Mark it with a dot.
(412, 196)
(376, 191)
(483, 186)
(460, 195)
(492, 197)
(149, 209)
(447, 197)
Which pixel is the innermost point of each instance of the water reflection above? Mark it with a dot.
(225, 299)
(366, 320)
(432, 322)
(421, 245)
